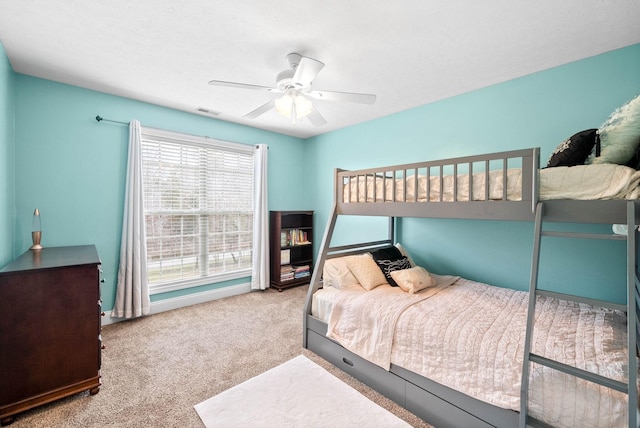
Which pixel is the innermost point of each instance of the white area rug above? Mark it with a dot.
(298, 393)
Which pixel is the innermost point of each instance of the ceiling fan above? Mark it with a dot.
(295, 84)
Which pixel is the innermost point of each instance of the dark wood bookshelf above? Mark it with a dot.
(291, 247)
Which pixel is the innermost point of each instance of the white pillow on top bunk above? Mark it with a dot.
(619, 135)
(414, 279)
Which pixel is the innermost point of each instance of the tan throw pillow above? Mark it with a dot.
(366, 271)
(336, 273)
(414, 279)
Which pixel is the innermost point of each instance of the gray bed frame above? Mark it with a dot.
(434, 402)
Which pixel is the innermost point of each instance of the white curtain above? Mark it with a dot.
(132, 294)
(260, 272)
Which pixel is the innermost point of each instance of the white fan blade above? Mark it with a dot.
(260, 110)
(316, 118)
(242, 86)
(349, 97)
(306, 71)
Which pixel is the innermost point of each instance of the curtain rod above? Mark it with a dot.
(98, 118)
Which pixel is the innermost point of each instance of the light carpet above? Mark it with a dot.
(294, 394)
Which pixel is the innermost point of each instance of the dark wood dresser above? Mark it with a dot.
(49, 327)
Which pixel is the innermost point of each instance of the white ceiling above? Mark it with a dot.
(407, 52)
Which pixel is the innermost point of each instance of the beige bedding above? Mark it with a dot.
(378, 309)
(584, 182)
(470, 336)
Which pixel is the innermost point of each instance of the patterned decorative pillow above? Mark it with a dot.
(390, 259)
(619, 135)
(575, 149)
(405, 253)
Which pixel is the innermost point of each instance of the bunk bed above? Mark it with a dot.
(506, 186)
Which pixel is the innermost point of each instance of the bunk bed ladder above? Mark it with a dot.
(632, 309)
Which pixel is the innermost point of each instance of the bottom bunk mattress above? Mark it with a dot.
(469, 336)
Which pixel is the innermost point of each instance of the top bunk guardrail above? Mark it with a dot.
(470, 187)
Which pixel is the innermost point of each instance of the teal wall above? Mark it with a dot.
(7, 97)
(539, 110)
(72, 168)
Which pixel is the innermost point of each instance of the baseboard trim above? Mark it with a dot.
(187, 300)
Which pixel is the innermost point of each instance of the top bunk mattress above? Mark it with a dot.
(581, 182)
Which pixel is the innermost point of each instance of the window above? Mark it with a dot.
(198, 195)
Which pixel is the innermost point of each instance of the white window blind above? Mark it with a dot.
(198, 196)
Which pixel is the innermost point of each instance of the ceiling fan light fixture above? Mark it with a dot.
(295, 86)
(294, 106)
(303, 106)
(283, 105)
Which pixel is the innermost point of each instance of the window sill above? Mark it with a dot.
(181, 285)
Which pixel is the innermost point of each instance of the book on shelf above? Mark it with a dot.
(287, 277)
(301, 271)
(290, 272)
(287, 273)
(285, 257)
(294, 237)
